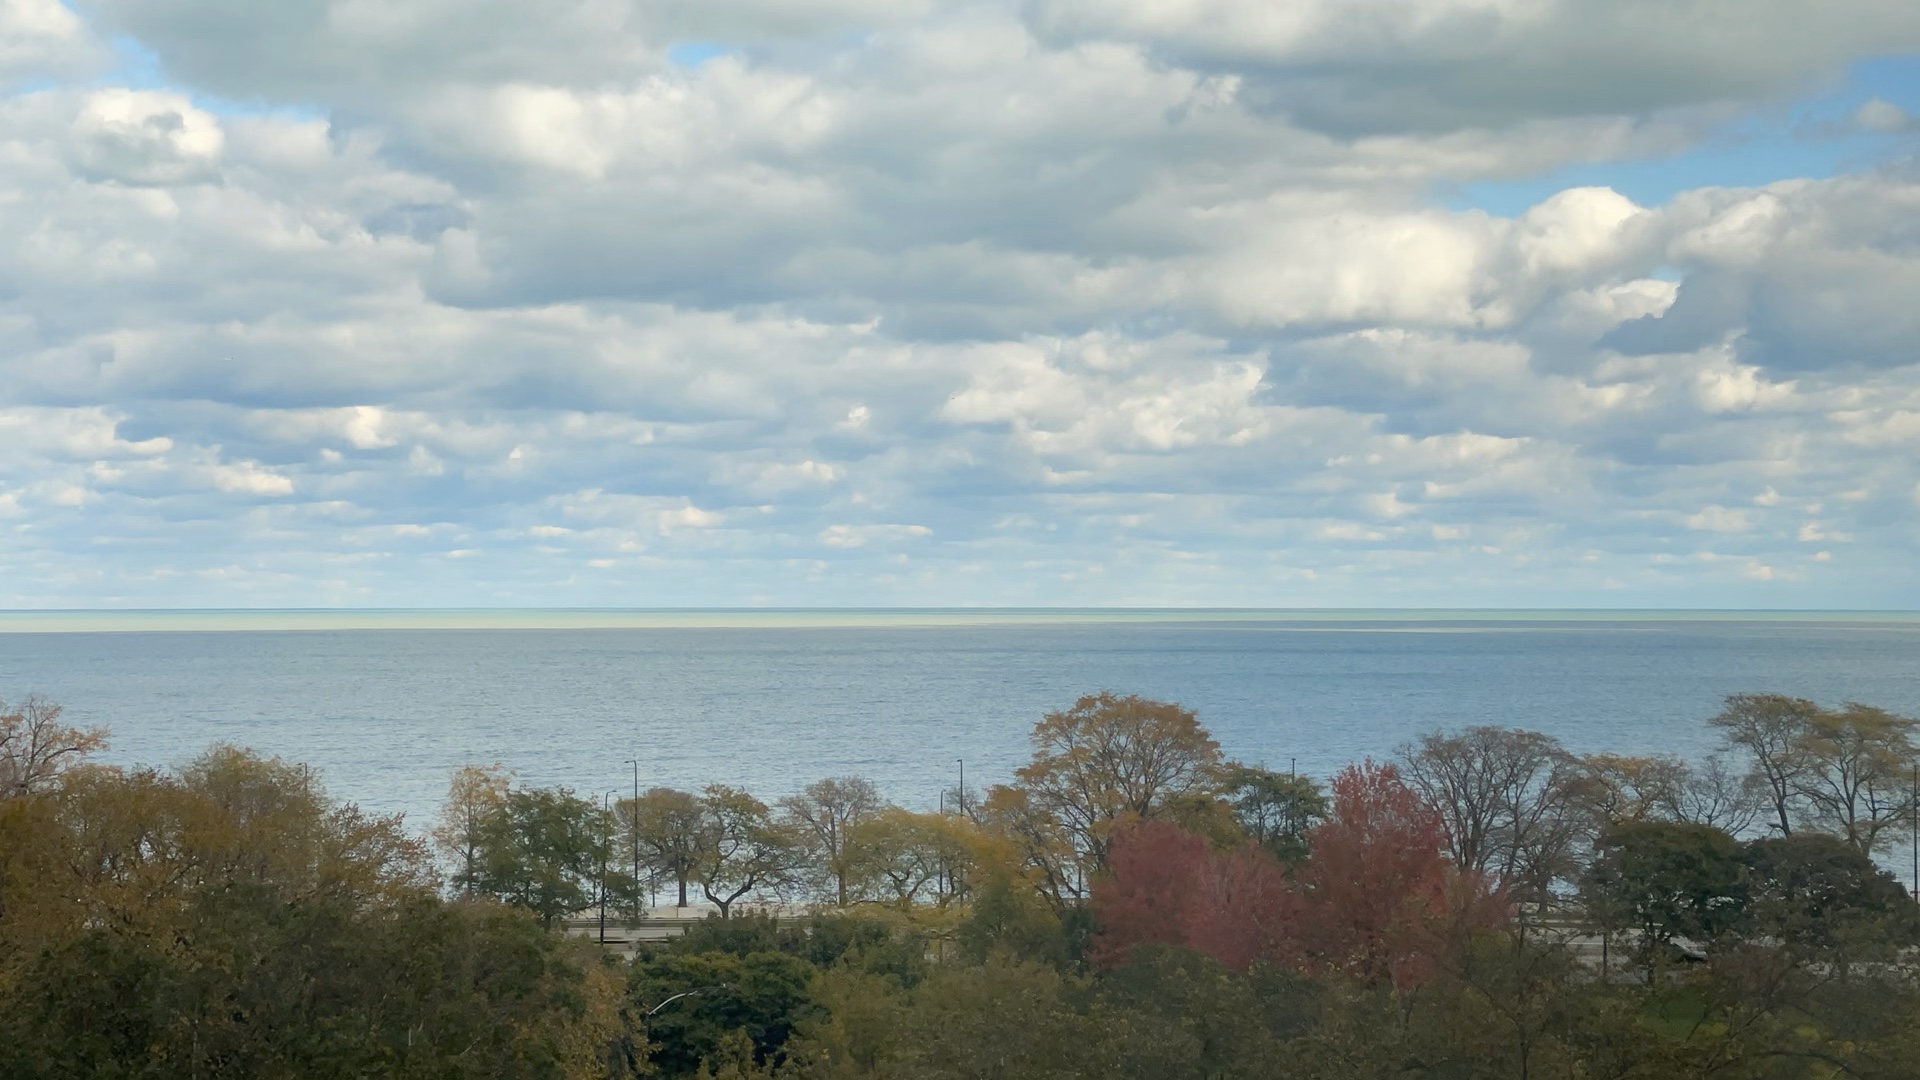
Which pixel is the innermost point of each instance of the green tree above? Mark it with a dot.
(1008, 922)
(858, 1031)
(1277, 810)
(671, 829)
(1209, 1022)
(544, 849)
(1666, 880)
(253, 986)
(1497, 1008)
(999, 1021)
(763, 994)
(1821, 893)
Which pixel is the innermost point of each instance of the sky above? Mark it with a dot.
(1274, 303)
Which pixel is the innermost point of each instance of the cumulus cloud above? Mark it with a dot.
(940, 301)
(1414, 64)
(360, 51)
(141, 137)
(1800, 275)
(43, 39)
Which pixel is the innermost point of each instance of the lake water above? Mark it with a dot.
(386, 704)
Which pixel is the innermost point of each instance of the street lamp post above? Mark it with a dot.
(605, 808)
(633, 830)
(963, 786)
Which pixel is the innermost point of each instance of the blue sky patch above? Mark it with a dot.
(692, 54)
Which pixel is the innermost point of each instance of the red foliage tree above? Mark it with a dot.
(1378, 899)
(1382, 899)
(1168, 886)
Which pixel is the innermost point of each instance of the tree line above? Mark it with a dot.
(1515, 808)
(1130, 903)
(837, 842)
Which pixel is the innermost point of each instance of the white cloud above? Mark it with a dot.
(88, 433)
(853, 536)
(249, 478)
(1720, 519)
(1401, 63)
(661, 515)
(1577, 229)
(145, 137)
(44, 38)
(1052, 301)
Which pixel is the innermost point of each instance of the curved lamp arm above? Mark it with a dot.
(685, 994)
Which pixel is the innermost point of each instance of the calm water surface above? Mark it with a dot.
(385, 714)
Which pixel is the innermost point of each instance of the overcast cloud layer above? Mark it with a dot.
(940, 302)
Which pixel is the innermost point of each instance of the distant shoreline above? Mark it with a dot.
(105, 620)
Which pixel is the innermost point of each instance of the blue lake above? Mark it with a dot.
(385, 705)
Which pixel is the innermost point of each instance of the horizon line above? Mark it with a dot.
(213, 620)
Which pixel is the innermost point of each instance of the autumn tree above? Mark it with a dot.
(1106, 759)
(1621, 789)
(670, 827)
(231, 919)
(120, 849)
(1166, 885)
(825, 813)
(743, 849)
(474, 795)
(35, 745)
(1770, 730)
(899, 857)
(1632, 788)
(264, 819)
(37, 897)
(1854, 775)
(1713, 791)
(1044, 847)
(1379, 886)
(1509, 802)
